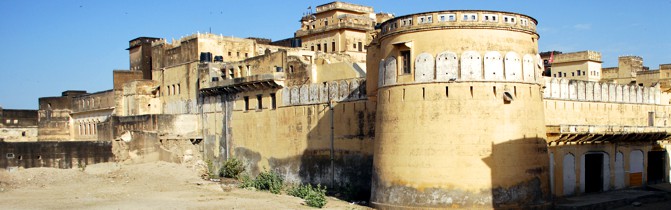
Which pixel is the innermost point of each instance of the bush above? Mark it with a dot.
(231, 168)
(266, 180)
(314, 196)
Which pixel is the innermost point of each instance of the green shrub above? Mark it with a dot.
(266, 180)
(314, 196)
(231, 168)
(270, 181)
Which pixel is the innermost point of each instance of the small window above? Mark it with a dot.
(10, 155)
(259, 102)
(319, 47)
(312, 48)
(229, 54)
(273, 101)
(246, 55)
(333, 46)
(360, 47)
(560, 74)
(405, 59)
(573, 74)
(246, 99)
(325, 50)
(578, 72)
(23, 133)
(16, 121)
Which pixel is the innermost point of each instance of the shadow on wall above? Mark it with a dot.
(354, 127)
(54, 154)
(519, 180)
(520, 174)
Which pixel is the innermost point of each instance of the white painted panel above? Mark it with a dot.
(314, 93)
(611, 92)
(632, 94)
(639, 94)
(305, 94)
(513, 67)
(597, 91)
(556, 88)
(581, 90)
(528, 68)
(568, 174)
(619, 171)
(493, 66)
(563, 91)
(625, 93)
(547, 93)
(424, 71)
(471, 66)
(589, 91)
(324, 93)
(447, 66)
(618, 93)
(604, 92)
(573, 90)
(390, 71)
(295, 96)
(380, 73)
(333, 90)
(344, 90)
(354, 89)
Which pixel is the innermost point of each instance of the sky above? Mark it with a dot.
(52, 46)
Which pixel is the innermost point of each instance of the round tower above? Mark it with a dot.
(460, 118)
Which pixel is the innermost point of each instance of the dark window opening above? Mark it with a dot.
(325, 46)
(319, 47)
(259, 102)
(360, 47)
(23, 133)
(312, 48)
(246, 99)
(273, 101)
(405, 59)
(333, 47)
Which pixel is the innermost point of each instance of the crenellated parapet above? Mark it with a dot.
(338, 91)
(458, 19)
(450, 66)
(578, 90)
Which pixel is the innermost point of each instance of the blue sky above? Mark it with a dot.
(52, 46)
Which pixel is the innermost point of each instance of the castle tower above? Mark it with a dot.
(460, 119)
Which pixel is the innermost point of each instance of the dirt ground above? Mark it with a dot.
(158, 185)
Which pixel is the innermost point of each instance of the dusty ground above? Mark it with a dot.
(157, 185)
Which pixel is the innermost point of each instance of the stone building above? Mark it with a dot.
(584, 65)
(625, 72)
(443, 109)
(339, 27)
(460, 84)
(17, 125)
(89, 110)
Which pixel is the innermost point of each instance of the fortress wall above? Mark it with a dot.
(295, 142)
(425, 139)
(574, 102)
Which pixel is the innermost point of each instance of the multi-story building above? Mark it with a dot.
(585, 65)
(339, 27)
(454, 112)
(17, 125)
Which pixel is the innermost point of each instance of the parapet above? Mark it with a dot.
(459, 19)
(577, 56)
(344, 6)
(339, 91)
(578, 90)
(447, 66)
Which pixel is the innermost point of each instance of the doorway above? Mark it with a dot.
(593, 172)
(656, 167)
